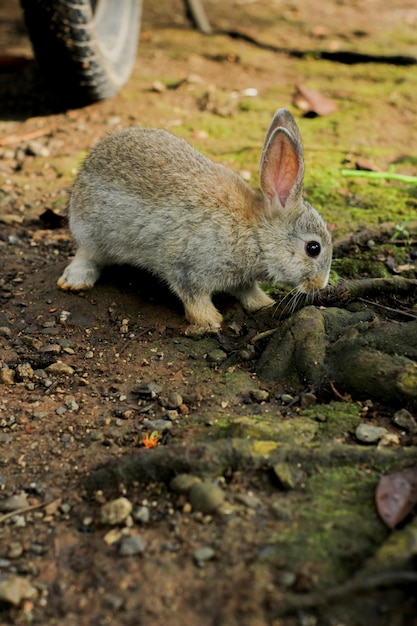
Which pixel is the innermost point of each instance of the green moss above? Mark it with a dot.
(336, 419)
(336, 527)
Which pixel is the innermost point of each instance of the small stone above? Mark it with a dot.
(14, 589)
(285, 475)
(182, 483)
(113, 602)
(112, 536)
(206, 497)
(174, 400)
(308, 400)
(141, 514)
(116, 511)
(15, 550)
(89, 354)
(96, 435)
(158, 86)
(286, 398)
(203, 554)
(60, 368)
(148, 391)
(259, 395)
(216, 356)
(5, 331)
(53, 348)
(131, 545)
(246, 354)
(32, 342)
(405, 420)
(249, 500)
(286, 578)
(71, 403)
(7, 376)
(160, 425)
(36, 148)
(184, 409)
(13, 503)
(366, 433)
(389, 440)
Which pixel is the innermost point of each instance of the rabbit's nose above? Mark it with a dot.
(314, 284)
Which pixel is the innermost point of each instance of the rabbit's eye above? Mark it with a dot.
(313, 248)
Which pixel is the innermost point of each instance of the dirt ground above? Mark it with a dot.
(88, 378)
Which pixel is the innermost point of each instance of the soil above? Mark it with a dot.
(128, 373)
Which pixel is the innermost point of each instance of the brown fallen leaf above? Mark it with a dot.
(312, 102)
(396, 496)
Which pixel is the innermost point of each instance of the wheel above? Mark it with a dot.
(85, 48)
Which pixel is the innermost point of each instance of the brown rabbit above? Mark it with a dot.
(146, 198)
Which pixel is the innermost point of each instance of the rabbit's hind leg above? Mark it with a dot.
(252, 298)
(81, 273)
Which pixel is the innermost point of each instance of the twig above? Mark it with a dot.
(7, 141)
(263, 335)
(388, 308)
(26, 509)
(403, 178)
(346, 398)
(357, 585)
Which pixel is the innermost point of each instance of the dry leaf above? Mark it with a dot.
(312, 102)
(396, 496)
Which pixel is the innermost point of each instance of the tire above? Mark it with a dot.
(85, 48)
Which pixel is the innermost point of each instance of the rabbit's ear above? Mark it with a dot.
(282, 170)
(284, 119)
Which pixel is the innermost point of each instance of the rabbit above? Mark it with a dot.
(147, 198)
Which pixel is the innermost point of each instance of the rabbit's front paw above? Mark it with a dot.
(202, 315)
(253, 298)
(79, 274)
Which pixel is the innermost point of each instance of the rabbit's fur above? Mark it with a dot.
(146, 198)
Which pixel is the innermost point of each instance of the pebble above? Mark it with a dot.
(308, 400)
(112, 536)
(71, 404)
(14, 589)
(216, 356)
(203, 554)
(259, 395)
(404, 419)
(7, 376)
(52, 348)
(249, 500)
(5, 331)
(148, 391)
(96, 435)
(285, 475)
(14, 550)
(13, 503)
(366, 433)
(141, 514)
(131, 545)
(182, 483)
(32, 342)
(116, 511)
(36, 148)
(159, 425)
(174, 400)
(286, 398)
(206, 497)
(59, 368)
(113, 602)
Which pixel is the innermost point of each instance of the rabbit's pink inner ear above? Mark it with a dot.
(282, 171)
